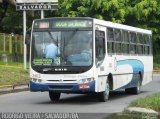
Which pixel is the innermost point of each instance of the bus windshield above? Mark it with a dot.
(62, 48)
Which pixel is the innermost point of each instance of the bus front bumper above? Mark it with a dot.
(63, 87)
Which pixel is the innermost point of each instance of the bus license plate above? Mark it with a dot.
(84, 86)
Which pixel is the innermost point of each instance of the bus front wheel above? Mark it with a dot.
(54, 96)
(104, 96)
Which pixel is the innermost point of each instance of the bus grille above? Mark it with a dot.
(61, 87)
(63, 80)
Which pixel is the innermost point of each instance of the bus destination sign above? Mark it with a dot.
(72, 24)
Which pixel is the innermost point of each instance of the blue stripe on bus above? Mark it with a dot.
(75, 87)
(136, 64)
(137, 67)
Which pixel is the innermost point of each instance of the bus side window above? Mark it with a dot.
(146, 44)
(100, 46)
(132, 43)
(139, 44)
(118, 42)
(110, 40)
(125, 42)
(133, 37)
(117, 34)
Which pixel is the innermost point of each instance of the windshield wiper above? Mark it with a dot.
(51, 36)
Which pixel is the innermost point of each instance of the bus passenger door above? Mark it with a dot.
(100, 53)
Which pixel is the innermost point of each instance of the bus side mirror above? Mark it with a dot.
(28, 37)
(27, 40)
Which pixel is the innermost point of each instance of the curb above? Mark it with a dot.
(144, 112)
(141, 110)
(13, 88)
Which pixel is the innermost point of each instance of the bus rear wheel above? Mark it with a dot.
(135, 90)
(54, 96)
(104, 96)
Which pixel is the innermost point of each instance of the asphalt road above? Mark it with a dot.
(40, 102)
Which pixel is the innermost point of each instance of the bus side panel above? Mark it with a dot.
(124, 70)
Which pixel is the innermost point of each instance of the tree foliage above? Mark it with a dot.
(113, 10)
(11, 21)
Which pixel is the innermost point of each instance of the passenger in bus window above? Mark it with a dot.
(52, 50)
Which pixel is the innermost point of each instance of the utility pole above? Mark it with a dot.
(42, 14)
(24, 36)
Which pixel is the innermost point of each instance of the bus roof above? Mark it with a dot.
(121, 26)
(105, 23)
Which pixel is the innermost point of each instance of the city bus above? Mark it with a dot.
(88, 56)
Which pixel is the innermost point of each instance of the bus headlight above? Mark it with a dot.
(34, 80)
(37, 80)
(87, 80)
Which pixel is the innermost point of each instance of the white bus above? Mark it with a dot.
(88, 56)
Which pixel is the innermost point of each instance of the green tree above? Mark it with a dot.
(113, 10)
(12, 20)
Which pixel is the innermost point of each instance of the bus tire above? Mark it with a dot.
(54, 96)
(135, 90)
(104, 96)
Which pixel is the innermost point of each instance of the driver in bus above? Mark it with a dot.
(84, 57)
(52, 50)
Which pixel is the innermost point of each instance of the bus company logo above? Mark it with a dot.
(61, 69)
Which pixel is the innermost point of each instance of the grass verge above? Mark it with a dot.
(156, 66)
(13, 75)
(127, 115)
(150, 102)
(13, 64)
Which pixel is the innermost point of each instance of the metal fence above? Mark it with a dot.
(11, 47)
(11, 44)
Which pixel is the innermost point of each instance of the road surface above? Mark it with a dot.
(76, 103)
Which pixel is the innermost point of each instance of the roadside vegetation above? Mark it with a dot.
(150, 102)
(11, 64)
(13, 74)
(156, 66)
(127, 115)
